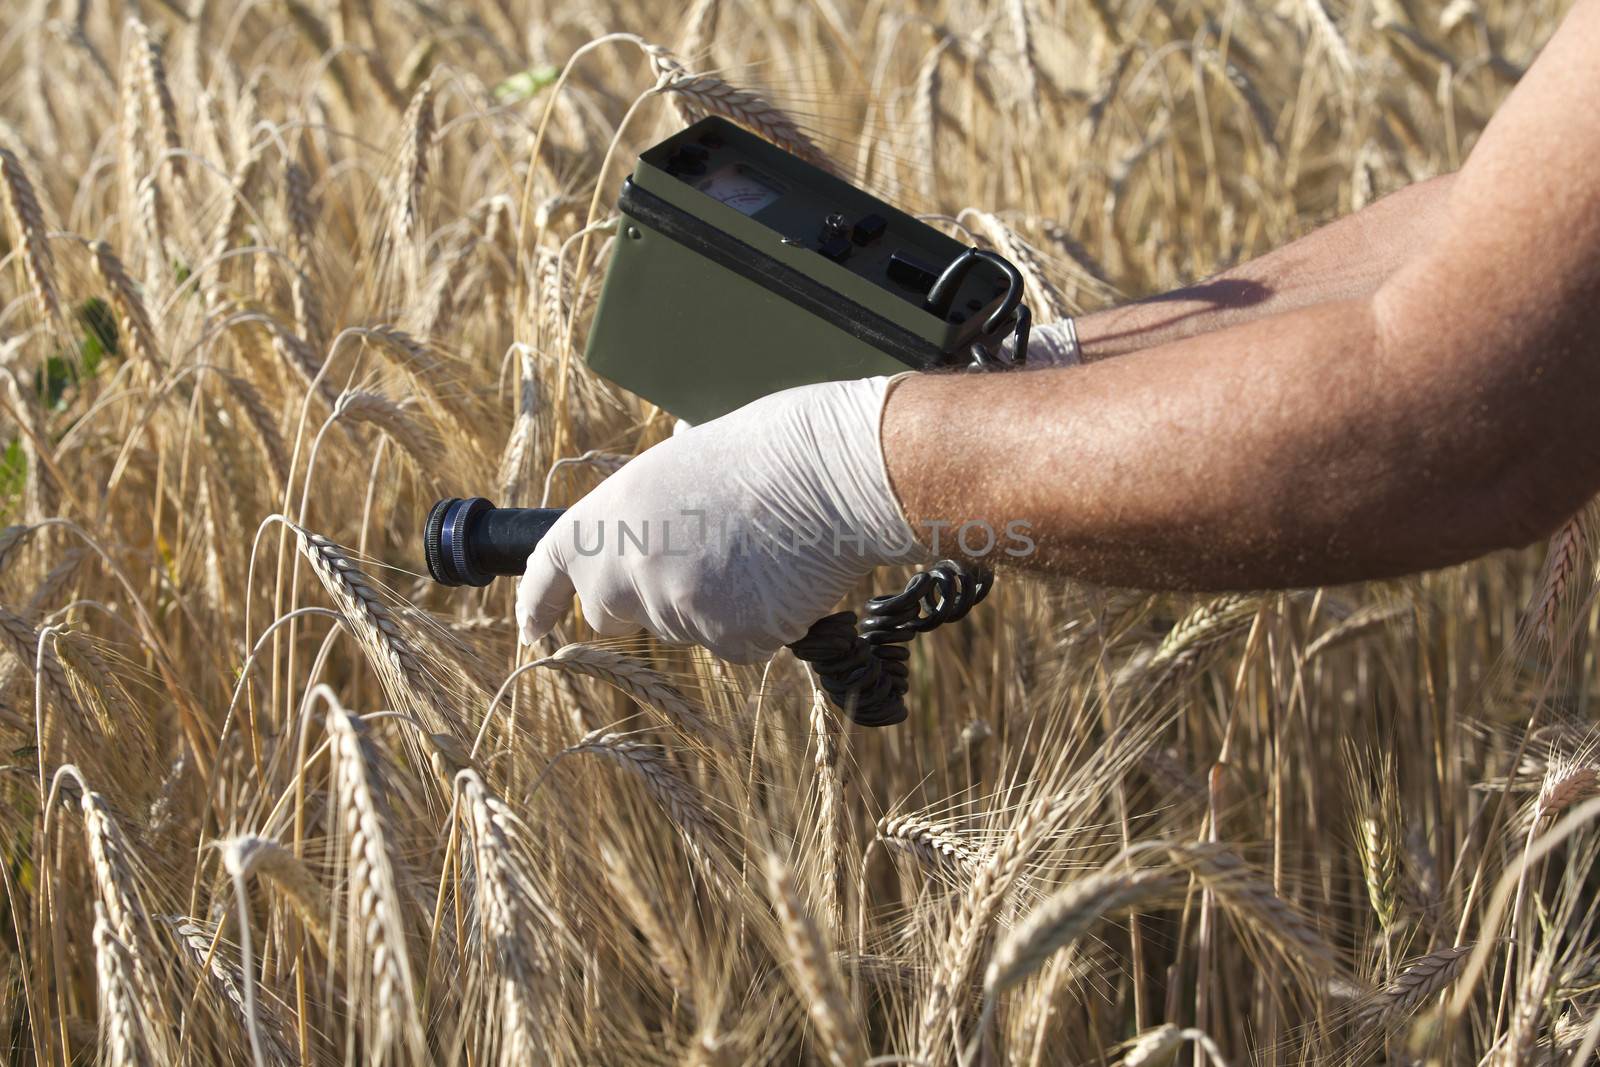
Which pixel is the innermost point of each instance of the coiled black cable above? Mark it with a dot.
(864, 670)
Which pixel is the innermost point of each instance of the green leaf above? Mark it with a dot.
(13, 471)
(100, 324)
(526, 84)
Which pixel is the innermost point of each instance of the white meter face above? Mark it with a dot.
(742, 188)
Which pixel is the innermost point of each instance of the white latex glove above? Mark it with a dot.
(755, 525)
(1048, 346)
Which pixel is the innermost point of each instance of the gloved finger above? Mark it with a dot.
(743, 652)
(738, 646)
(543, 594)
(607, 620)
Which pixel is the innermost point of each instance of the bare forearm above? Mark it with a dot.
(1347, 259)
(1296, 450)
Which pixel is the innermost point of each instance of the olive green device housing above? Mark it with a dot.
(740, 269)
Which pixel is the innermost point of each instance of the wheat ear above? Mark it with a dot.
(925, 118)
(23, 641)
(384, 993)
(1027, 59)
(228, 983)
(387, 647)
(27, 220)
(375, 409)
(816, 976)
(231, 224)
(1158, 1045)
(1048, 302)
(933, 843)
(666, 944)
(1066, 916)
(1565, 783)
(264, 857)
(125, 1032)
(1249, 894)
(825, 734)
(969, 932)
(131, 312)
(514, 920)
(11, 539)
(698, 95)
(419, 128)
(265, 426)
(1328, 33)
(1206, 626)
(1416, 983)
(645, 684)
(133, 1018)
(680, 799)
(158, 93)
(1561, 563)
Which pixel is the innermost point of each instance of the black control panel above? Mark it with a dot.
(840, 223)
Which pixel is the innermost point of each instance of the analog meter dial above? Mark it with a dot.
(741, 187)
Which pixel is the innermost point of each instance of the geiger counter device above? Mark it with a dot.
(740, 270)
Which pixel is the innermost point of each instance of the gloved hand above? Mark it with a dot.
(736, 534)
(1050, 344)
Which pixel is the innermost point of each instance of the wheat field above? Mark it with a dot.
(274, 276)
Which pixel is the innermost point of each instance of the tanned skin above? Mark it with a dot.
(1436, 404)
